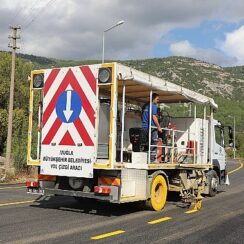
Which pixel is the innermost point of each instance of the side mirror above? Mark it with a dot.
(230, 136)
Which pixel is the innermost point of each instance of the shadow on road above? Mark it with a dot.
(88, 206)
(91, 206)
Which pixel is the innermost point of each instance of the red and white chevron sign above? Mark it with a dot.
(68, 124)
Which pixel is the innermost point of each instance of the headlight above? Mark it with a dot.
(38, 81)
(104, 75)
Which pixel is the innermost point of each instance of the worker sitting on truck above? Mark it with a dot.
(155, 126)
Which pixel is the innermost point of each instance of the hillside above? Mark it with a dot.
(200, 76)
(225, 85)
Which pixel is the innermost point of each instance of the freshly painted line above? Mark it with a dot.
(12, 187)
(234, 170)
(156, 221)
(191, 211)
(117, 232)
(15, 203)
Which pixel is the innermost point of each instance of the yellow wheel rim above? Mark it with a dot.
(158, 193)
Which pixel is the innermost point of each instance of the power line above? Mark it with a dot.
(22, 43)
(19, 12)
(42, 10)
(34, 11)
(31, 12)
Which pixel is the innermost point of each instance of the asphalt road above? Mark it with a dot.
(64, 220)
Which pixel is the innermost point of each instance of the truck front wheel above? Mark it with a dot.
(158, 193)
(213, 183)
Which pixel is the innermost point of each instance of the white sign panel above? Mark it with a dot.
(68, 124)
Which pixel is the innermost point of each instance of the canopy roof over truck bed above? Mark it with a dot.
(138, 85)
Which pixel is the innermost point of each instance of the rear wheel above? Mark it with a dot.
(213, 183)
(158, 193)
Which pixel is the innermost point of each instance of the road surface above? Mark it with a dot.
(25, 219)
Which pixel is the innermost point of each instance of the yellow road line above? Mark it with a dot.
(12, 187)
(117, 232)
(191, 211)
(156, 221)
(15, 203)
(234, 170)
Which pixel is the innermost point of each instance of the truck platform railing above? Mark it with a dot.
(171, 149)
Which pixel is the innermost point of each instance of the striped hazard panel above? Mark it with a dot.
(69, 106)
(109, 181)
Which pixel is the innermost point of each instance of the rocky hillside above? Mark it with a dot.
(208, 79)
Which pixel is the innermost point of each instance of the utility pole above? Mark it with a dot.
(8, 162)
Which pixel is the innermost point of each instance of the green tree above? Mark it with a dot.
(21, 104)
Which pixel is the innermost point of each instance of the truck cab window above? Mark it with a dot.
(219, 135)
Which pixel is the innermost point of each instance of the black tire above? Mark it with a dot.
(213, 183)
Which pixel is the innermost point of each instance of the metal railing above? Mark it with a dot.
(172, 148)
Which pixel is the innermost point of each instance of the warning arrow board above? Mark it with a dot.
(68, 125)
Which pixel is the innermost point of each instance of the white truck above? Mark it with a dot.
(90, 143)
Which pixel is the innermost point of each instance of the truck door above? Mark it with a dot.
(218, 147)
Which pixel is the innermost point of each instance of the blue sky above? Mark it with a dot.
(212, 31)
(206, 35)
